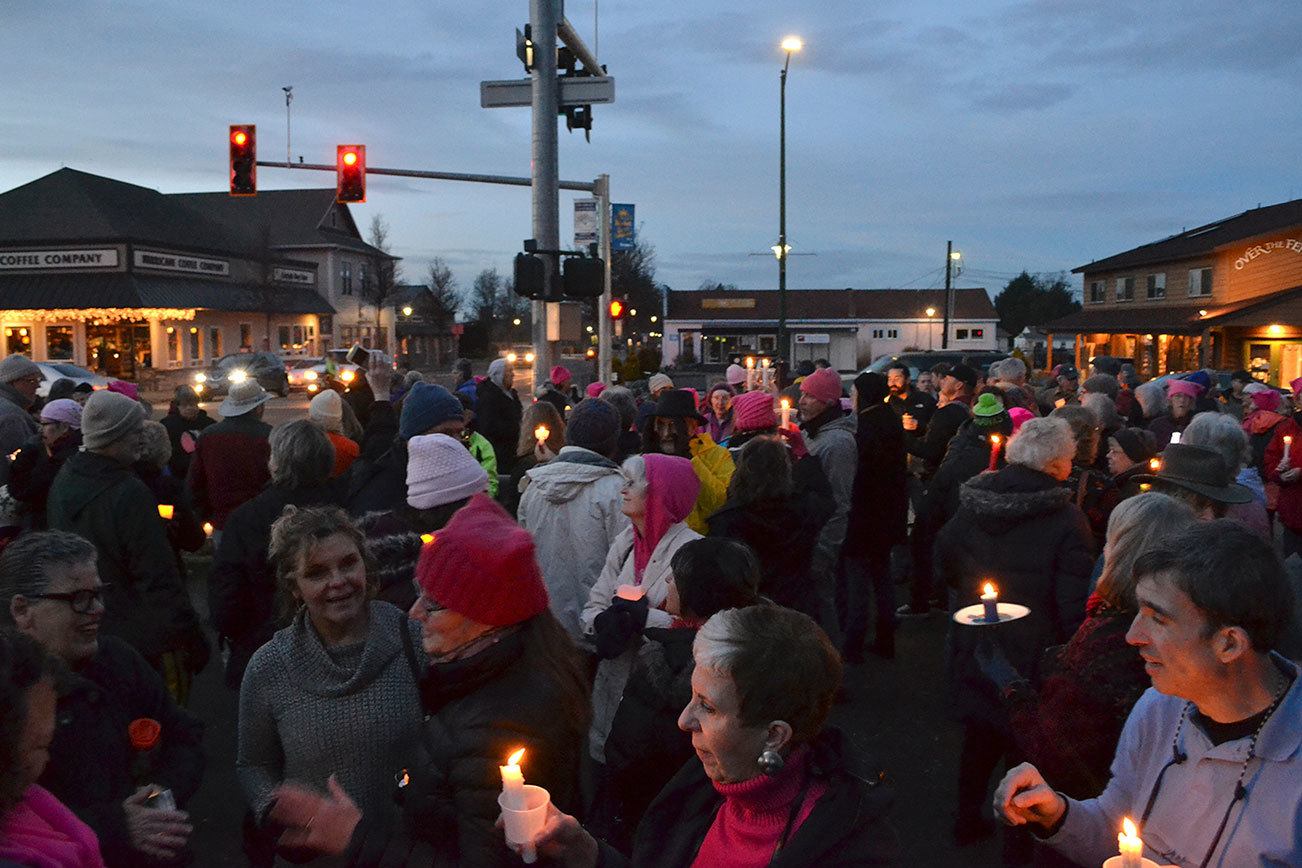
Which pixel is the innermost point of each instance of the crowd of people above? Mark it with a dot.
(656, 597)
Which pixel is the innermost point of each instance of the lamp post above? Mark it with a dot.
(781, 250)
(931, 313)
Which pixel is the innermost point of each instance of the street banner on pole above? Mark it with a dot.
(622, 233)
(585, 223)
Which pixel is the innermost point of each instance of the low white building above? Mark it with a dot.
(848, 327)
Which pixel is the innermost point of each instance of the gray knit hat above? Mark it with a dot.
(16, 367)
(107, 417)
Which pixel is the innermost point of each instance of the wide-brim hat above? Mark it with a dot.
(244, 397)
(677, 404)
(1199, 470)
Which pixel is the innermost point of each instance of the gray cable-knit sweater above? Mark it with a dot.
(307, 712)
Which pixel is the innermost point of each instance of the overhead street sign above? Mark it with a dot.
(575, 91)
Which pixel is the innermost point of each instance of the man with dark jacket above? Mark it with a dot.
(19, 378)
(50, 590)
(498, 412)
(97, 496)
(968, 455)
(230, 459)
(907, 399)
(878, 519)
(184, 421)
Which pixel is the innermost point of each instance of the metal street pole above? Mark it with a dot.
(601, 192)
(543, 20)
(949, 293)
(782, 216)
(289, 97)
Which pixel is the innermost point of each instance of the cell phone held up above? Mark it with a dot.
(161, 799)
(359, 355)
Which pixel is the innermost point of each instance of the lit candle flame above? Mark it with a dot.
(426, 538)
(541, 433)
(988, 589)
(1129, 828)
(1155, 464)
(207, 528)
(786, 404)
(750, 361)
(514, 759)
(994, 438)
(1288, 440)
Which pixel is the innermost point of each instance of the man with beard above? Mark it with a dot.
(673, 430)
(906, 399)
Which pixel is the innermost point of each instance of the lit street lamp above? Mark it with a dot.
(931, 313)
(782, 250)
(406, 310)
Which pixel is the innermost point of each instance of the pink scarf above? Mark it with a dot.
(40, 831)
(671, 490)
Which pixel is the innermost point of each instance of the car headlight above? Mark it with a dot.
(310, 376)
(510, 357)
(239, 375)
(347, 376)
(201, 377)
(528, 357)
(198, 388)
(312, 387)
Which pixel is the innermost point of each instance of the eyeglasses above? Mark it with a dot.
(82, 601)
(429, 605)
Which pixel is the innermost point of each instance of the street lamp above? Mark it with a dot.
(782, 250)
(931, 312)
(406, 310)
(515, 321)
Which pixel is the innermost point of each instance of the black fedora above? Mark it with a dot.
(1199, 470)
(677, 404)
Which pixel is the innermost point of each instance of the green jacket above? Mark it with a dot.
(104, 501)
(487, 458)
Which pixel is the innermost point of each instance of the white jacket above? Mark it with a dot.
(612, 675)
(572, 508)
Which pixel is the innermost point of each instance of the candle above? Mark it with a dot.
(990, 600)
(1130, 845)
(513, 782)
(786, 412)
(541, 433)
(632, 593)
(994, 451)
(166, 510)
(1288, 444)
(1155, 464)
(750, 373)
(1175, 438)
(1061, 402)
(207, 528)
(426, 538)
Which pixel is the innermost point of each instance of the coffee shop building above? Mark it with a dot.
(1225, 295)
(134, 283)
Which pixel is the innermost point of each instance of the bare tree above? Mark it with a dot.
(443, 300)
(380, 280)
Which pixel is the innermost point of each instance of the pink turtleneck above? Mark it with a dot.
(754, 813)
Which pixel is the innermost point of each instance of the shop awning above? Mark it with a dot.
(136, 291)
(1167, 320)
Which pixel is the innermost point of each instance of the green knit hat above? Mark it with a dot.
(988, 411)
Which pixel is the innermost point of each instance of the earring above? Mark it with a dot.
(771, 763)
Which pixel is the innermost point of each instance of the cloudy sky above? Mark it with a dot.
(1037, 135)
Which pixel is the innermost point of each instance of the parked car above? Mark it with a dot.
(925, 361)
(267, 368)
(304, 374)
(51, 371)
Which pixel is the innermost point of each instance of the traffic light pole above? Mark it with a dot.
(949, 293)
(543, 20)
(601, 193)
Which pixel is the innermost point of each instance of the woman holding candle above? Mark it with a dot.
(770, 783)
(1283, 466)
(542, 435)
(502, 675)
(1018, 529)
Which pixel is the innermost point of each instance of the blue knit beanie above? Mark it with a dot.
(425, 406)
(593, 424)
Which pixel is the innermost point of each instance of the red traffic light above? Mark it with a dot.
(350, 173)
(244, 160)
(616, 309)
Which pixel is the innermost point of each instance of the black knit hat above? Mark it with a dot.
(1139, 444)
(593, 424)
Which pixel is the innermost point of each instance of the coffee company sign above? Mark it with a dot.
(181, 262)
(300, 276)
(58, 260)
(1286, 245)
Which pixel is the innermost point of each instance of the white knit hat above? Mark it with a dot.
(441, 470)
(658, 382)
(17, 366)
(327, 410)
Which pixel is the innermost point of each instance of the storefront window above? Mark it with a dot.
(282, 335)
(119, 349)
(173, 346)
(246, 336)
(215, 342)
(196, 350)
(18, 339)
(58, 343)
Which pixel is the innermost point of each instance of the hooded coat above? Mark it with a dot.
(640, 559)
(572, 507)
(1017, 528)
(145, 603)
(1288, 503)
(497, 418)
(714, 468)
(833, 442)
(967, 456)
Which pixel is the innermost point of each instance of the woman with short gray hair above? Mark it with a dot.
(1224, 435)
(242, 585)
(1018, 529)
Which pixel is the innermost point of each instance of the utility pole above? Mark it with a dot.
(289, 97)
(949, 293)
(601, 192)
(544, 20)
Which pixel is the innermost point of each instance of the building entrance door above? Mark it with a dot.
(118, 349)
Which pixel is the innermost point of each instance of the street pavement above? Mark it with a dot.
(894, 710)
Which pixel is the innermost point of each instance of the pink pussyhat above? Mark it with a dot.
(1019, 415)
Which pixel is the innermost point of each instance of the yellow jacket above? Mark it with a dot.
(714, 467)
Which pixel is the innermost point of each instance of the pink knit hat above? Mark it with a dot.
(482, 565)
(560, 376)
(1267, 400)
(753, 411)
(1183, 387)
(1019, 415)
(1296, 385)
(735, 375)
(595, 388)
(823, 385)
(441, 470)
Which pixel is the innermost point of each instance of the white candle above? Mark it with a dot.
(166, 510)
(513, 781)
(786, 412)
(990, 600)
(750, 373)
(541, 433)
(1175, 438)
(207, 528)
(1155, 464)
(632, 593)
(1130, 845)
(1288, 445)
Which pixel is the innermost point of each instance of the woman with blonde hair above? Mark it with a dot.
(1073, 721)
(530, 451)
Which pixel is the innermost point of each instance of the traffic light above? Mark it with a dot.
(350, 173)
(244, 159)
(582, 277)
(530, 276)
(616, 309)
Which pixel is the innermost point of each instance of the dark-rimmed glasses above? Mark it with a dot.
(82, 601)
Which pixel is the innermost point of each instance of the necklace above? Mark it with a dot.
(1178, 756)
